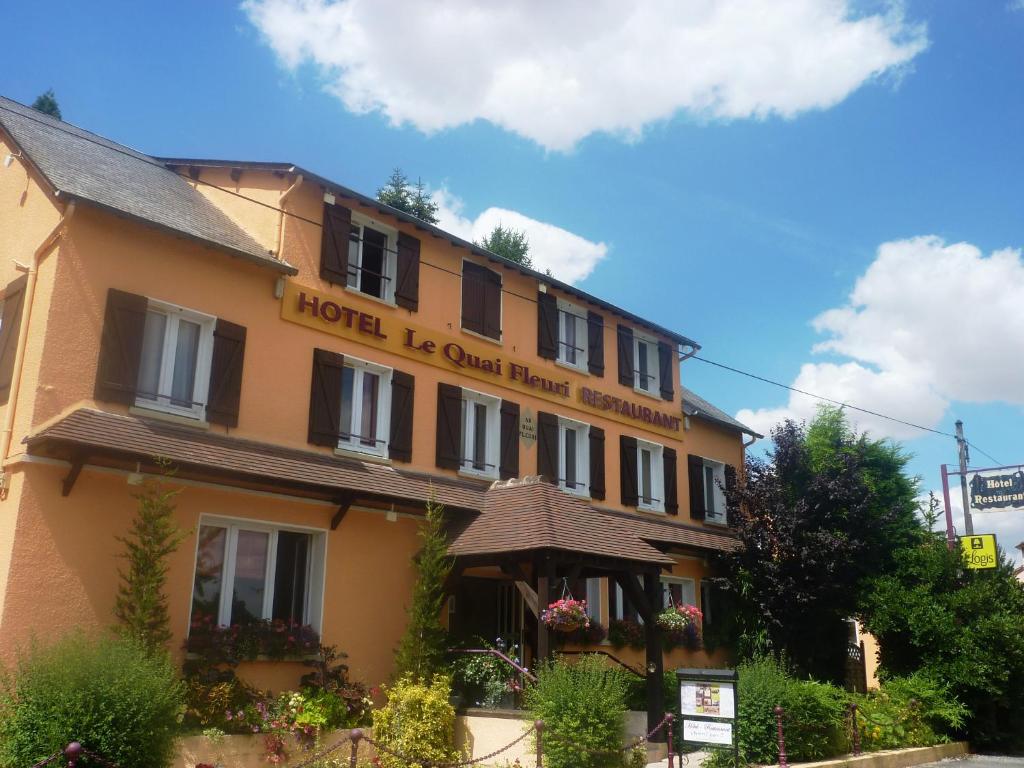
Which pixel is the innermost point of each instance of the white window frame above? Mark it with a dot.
(720, 517)
(620, 603)
(571, 313)
(353, 443)
(582, 456)
(204, 357)
(354, 281)
(493, 444)
(657, 491)
(667, 581)
(653, 365)
(315, 576)
(594, 598)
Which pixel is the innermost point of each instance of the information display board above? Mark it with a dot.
(708, 706)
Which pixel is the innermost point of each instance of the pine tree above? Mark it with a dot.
(398, 193)
(510, 243)
(141, 605)
(47, 104)
(422, 649)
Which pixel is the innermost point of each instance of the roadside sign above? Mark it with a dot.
(708, 707)
(980, 551)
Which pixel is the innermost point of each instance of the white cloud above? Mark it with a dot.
(926, 324)
(556, 72)
(569, 257)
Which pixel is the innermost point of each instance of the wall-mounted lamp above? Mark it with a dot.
(279, 288)
(136, 478)
(10, 159)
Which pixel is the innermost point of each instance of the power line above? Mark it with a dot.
(146, 158)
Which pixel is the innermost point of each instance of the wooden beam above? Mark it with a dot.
(655, 659)
(530, 598)
(344, 504)
(545, 569)
(635, 592)
(77, 462)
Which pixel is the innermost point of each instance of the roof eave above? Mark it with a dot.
(435, 231)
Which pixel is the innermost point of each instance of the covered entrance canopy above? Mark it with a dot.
(539, 535)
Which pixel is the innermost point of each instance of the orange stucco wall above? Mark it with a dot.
(58, 555)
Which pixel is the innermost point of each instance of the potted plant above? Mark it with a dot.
(681, 626)
(566, 615)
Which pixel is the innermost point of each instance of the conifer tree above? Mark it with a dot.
(422, 649)
(510, 243)
(141, 605)
(47, 104)
(398, 193)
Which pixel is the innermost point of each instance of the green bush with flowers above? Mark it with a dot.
(624, 633)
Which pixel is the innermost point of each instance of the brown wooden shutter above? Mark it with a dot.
(226, 374)
(449, 426)
(492, 304)
(547, 446)
(626, 362)
(325, 398)
(508, 463)
(407, 278)
(10, 328)
(666, 365)
(472, 297)
(595, 344)
(628, 476)
(403, 389)
(124, 324)
(695, 471)
(337, 227)
(597, 484)
(730, 490)
(547, 326)
(671, 481)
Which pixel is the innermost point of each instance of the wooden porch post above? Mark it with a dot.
(545, 580)
(655, 658)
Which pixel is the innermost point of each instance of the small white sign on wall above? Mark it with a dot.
(707, 732)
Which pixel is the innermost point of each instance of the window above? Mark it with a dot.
(174, 368)
(678, 591)
(650, 476)
(481, 300)
(646, 376)
(574, 456)
(365, 407)
(251, 571)
(371, 258)
(480, 433)
(620, 607)
(572, 335)
(714, 496)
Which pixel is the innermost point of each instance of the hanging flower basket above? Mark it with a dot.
(566, 615)
(676, 618)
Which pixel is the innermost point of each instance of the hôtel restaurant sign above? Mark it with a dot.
(352, 318)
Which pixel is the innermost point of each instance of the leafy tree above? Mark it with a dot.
(510, 243)
(820, 516)
(398, 193)
(965, 628)
(141, 604)
(47, 104)
(422, 649)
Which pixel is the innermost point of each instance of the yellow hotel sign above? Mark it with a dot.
(351, 318)
(980, 551)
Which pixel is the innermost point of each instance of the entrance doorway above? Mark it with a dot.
(490, 609)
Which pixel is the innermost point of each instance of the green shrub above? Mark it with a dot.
(418, 722)
(109, 694)
(583, 707)
(481, 679)
(914, 711)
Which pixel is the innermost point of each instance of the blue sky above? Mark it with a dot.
(739, 177)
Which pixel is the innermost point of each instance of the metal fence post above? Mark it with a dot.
(356, 734)
(538, 726)
(856, 729)
(671, 753)
(782, 739)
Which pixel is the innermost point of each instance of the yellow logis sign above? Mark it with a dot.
(349, 317)
(980, 551)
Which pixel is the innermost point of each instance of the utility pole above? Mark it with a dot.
(965, 458)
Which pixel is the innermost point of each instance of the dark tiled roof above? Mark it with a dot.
(516, 518)
(88, 167)
(538, 515)
(695, 405)
(345, 192)
(215, 455)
